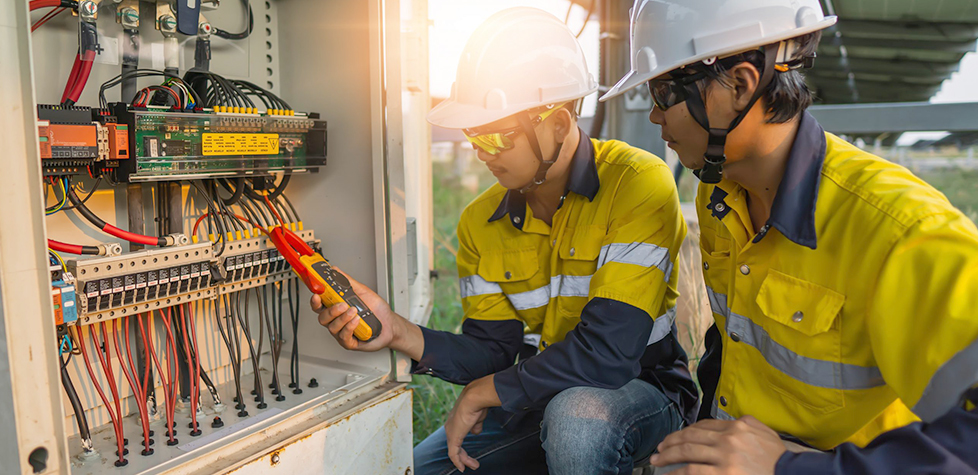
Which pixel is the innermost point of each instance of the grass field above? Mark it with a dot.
(433, 398)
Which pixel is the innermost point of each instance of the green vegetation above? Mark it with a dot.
(960, 187)
(433, 398)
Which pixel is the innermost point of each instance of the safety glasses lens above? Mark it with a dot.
(492, 144)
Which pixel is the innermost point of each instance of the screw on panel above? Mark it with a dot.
(88, 10)
(276, 459)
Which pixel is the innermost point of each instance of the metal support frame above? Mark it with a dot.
(897, 117)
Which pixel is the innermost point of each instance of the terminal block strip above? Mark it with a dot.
(255, 262)
(112, 287)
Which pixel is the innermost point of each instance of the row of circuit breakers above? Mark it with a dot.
(109, 287)
(140, 144)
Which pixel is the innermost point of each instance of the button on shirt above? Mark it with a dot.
(852, 312)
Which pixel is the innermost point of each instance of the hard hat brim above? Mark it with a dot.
(452, 114)
(636, 78)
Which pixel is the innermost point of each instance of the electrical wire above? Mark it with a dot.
(294, 314)
(274, 338)
(193, 367)
(60, 261)
(61, 202)
(73, 248)
(228, 342)
(169, 381)
(129, 372)
(98, 181)
(245, 323)
(110, 229)
(244, 34)
(116, 421)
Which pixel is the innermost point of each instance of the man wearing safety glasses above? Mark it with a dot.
(845, 290)
(574, 252)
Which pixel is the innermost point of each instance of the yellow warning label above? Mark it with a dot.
(240, 144)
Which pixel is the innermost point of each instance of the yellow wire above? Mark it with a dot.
(60, 260)
(64, 198)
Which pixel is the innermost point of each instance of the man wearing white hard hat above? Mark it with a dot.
(844, 289)
(574, 252)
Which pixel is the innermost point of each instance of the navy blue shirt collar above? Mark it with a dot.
(793, 211)
(583, 180)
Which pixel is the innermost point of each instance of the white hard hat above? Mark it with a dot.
(669, 34)
(518, 59)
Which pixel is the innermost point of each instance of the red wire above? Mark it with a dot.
(35, 4)
(193, 339)
(131, 237)
(130, 374)
(84, 72)
(116, 425)
(269, 203)
(51, 14)
(72, 78)
(63, 247)
(107, 367)
(166, 387)
(201, 218)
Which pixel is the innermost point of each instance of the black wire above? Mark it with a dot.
(83, 431)
(236, 192)
(245, 323)
(275, 346)
(229, 343)
(251, 193)
(289, 203)
(213, 210)
(244, 34)
(98, 181)
(267, 219)
(135, 74)
(295, 334)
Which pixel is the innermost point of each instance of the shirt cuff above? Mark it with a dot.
(510, 390)
(435, 346)
(804, 463)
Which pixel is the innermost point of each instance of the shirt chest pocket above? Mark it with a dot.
(801, 340)
(513, 270)
(571, 282)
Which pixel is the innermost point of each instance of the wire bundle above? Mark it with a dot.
(114, 416)
(170, 380)
(139, 388)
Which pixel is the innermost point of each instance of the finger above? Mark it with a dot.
(687, 453)
(347, 333)
(694, 469)
(316, 303)
(467, 460)
(689, 435)
(477, 428)
(714, 424)
(753, 422)
(454, 444)
(339, 323)
(329, 314)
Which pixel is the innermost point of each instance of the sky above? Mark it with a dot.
(454, 20)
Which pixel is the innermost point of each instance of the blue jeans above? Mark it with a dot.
(584, 430)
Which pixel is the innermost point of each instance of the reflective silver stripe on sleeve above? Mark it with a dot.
(637, 253)
(662, 326)
(820, 373)
(570, 285)
(559, 286)
(531, 298)
(474, 285)
(948, 384)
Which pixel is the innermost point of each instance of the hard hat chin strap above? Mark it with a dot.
(541, 176)
(712, 171)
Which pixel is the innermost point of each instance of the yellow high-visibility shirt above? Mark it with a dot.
(854, 310)
(616, 236)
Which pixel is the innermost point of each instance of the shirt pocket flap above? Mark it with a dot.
(508, 265)
(584, 245)
(798, 304)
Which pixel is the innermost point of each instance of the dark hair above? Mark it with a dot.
(787, 96)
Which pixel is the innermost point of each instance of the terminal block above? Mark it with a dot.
(254, 262)
(137, 282)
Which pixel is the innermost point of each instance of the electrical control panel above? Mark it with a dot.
(169, 145)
